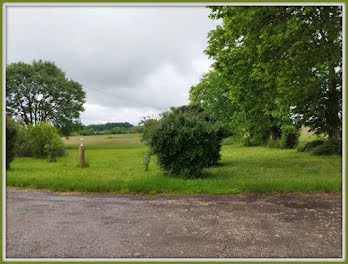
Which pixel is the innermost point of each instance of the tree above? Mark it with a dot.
(212, 94)
(109, 126)
(40, 92)
(283, 65)
(119, 130)
(11, 138)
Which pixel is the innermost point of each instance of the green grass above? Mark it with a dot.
(116, 165)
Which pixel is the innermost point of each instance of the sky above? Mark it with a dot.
(132, 62)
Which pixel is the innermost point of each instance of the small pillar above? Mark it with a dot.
(82, 154)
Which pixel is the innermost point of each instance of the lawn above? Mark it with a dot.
(116, 165)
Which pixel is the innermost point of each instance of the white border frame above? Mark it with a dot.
(142, 4)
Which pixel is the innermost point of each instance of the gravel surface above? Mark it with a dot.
(43, 224)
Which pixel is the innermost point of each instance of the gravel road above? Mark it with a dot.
(43, 224)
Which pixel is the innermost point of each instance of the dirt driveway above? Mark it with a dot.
(44, 224)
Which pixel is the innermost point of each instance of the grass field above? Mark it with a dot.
(116, 165)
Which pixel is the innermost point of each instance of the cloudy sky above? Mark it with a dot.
(132, 61)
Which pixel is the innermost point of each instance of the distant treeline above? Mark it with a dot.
(110, 128)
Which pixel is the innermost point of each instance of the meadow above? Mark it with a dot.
(116, 166)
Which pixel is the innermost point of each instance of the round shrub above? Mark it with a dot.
(11, 136)
(289, 138)
(44, 141)
(186, 140)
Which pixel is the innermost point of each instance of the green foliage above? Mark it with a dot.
(40, 92)
(212, 94)
(23, 148)
(95, 129)
(290, 136)
(311, 145)
(109, 126)
(148, 126)
(255, 139)
(44, 141)
(107, 132)
(186, 140)
(119, 130)
(274, 143)
(329, 147)
(275, 64)
(11, 136)
(230, 140)
(54, 148)
(137, 129)
(87, 132)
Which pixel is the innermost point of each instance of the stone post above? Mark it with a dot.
(82, 154)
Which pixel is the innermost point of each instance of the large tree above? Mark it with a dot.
(212, 94)
(40, 92)
(281, 64)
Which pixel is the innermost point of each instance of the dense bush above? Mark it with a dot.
(11, 135)
(186, 140)
(329, 147)
(290, 136)
(23, 148)
(44, 141)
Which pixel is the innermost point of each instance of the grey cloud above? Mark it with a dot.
(133, 57)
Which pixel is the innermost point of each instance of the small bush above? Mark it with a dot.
(186, 140)
(11, 135)
(44, 141)
(289, 138)
(54, 148)
(330, 147)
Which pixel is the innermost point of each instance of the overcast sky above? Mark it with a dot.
(131, 61)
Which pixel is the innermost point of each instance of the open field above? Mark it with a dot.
(116, 165)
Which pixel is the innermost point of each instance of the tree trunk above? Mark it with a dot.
(335, 133)
(333, 104)
(275, 133)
